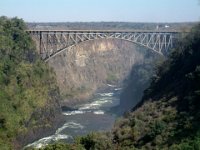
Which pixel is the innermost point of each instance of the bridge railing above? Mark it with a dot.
(107, 31)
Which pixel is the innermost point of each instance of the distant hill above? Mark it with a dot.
(111, 26)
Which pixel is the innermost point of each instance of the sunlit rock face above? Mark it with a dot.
(82, 69)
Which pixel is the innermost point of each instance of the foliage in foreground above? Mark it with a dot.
(168, 116)
(26, 83)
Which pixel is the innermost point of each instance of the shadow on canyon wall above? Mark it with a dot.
(89, 66)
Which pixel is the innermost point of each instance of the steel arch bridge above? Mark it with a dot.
(52, 42)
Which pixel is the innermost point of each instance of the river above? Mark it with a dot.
(95, 115)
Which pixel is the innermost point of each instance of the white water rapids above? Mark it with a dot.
(89, 117)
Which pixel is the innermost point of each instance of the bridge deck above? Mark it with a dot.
(108, 31)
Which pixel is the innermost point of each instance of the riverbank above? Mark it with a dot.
(73, 103)
(35, 134)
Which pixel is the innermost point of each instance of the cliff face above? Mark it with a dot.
(43, 121)
(90, 65)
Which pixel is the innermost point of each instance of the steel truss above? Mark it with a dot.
(53, 42)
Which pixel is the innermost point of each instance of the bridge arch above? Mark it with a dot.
(71, 46)
(52, 43)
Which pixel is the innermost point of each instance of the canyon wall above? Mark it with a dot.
(88, 66)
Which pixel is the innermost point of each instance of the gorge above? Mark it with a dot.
(91, 77)
(83, 89)
(83, 69)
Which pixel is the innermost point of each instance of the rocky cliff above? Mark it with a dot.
(86, 67)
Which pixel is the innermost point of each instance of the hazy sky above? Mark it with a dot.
(102, 10)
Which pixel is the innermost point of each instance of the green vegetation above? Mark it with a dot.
(111, 78)
(26, 83)
(63, 146)
(73, 92)
(168, 116)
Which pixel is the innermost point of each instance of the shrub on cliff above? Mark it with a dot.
(168, 116)
(26, 83)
